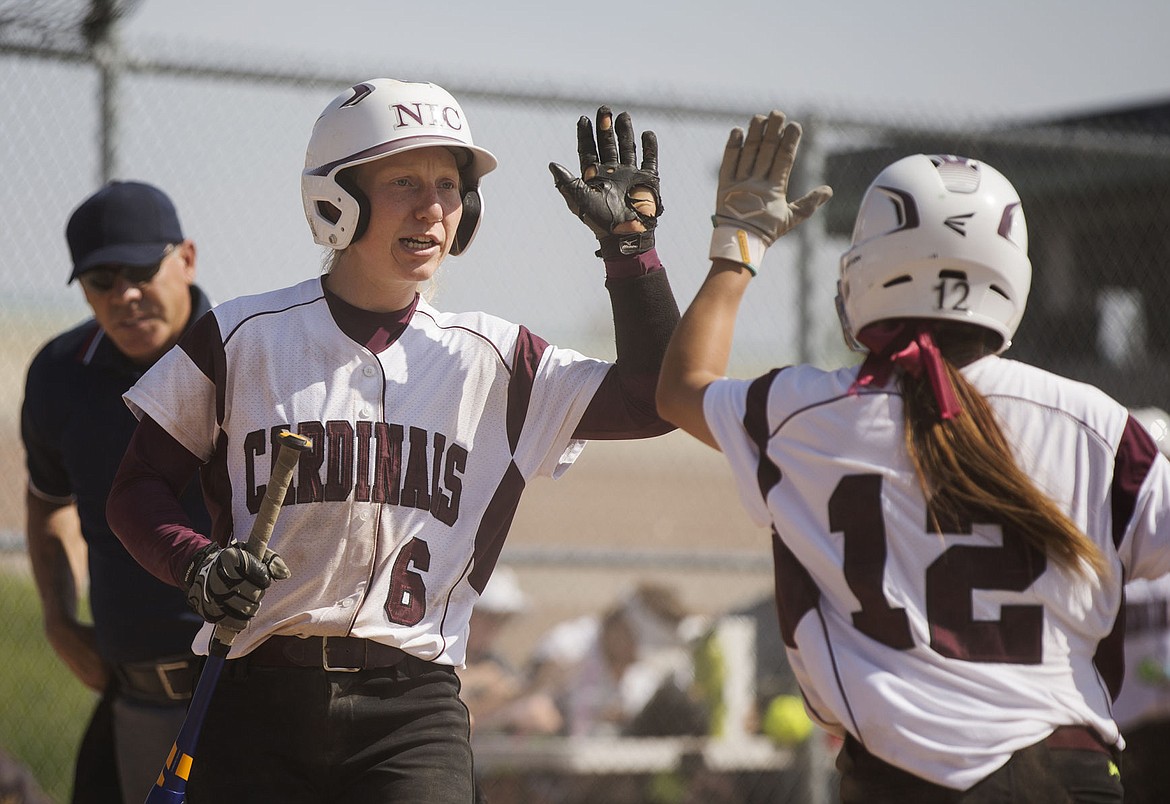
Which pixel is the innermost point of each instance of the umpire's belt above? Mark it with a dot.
(346, 654)
(160, 681)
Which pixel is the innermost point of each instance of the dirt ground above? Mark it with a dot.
(670, 497)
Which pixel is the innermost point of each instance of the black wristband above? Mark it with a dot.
(625, 245)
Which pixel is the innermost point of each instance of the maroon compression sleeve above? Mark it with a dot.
(645, 314)
(144, 508)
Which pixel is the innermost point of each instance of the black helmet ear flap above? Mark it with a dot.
(472, 210)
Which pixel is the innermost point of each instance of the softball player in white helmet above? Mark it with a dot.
(951, 529)
(426, 428)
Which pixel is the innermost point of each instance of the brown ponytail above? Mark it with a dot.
(965, 464)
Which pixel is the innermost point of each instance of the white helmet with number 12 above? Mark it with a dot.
(940, 237)
(374, 119)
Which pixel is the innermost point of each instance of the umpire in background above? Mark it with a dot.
(137, 272)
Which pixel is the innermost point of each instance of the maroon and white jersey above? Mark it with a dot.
(943, 652)
(420, 454)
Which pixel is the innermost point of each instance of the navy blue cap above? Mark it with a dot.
(124, 223)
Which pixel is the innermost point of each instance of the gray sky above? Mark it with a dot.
(995, 57)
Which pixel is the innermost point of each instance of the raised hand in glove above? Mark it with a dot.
(752, 209)
(225, 585)
(617, 200)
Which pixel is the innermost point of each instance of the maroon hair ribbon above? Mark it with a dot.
(910, 346)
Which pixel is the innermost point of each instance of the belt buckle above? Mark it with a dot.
(325, 658)
(162, 668)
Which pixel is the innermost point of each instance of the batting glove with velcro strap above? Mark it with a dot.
(225, 585)
(752, 209)
(619, 201)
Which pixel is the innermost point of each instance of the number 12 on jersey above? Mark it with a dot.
(855, 511)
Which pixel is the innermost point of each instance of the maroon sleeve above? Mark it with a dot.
(144, 509)
(1135, 456)
(645, 314)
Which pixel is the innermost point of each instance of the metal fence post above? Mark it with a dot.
(810, 234)
(101, 32)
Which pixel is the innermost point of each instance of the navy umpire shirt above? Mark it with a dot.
(76, 428)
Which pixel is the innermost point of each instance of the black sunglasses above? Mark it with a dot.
(103, 279)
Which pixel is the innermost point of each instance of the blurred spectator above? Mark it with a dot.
(1142, 710)
(17, 784)
(496, 694)
(626, 671)
(777, 712)
(773, 675)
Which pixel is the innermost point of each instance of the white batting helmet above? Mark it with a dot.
(374, 119)
(937, 237)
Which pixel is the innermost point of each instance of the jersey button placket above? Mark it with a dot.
(365, 409)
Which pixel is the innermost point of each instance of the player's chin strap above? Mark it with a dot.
(910, 346)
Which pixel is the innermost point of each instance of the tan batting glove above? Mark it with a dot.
(752, 210)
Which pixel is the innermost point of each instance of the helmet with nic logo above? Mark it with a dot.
(377, 118)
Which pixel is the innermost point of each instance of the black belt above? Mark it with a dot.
(161, 681)
(345, 654)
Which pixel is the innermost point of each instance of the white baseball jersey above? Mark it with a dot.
(420, 454)
(943, 653)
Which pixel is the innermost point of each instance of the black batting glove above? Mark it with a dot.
(225, 585)
(619, 201)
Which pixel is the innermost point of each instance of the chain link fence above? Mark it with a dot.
(226, 140)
